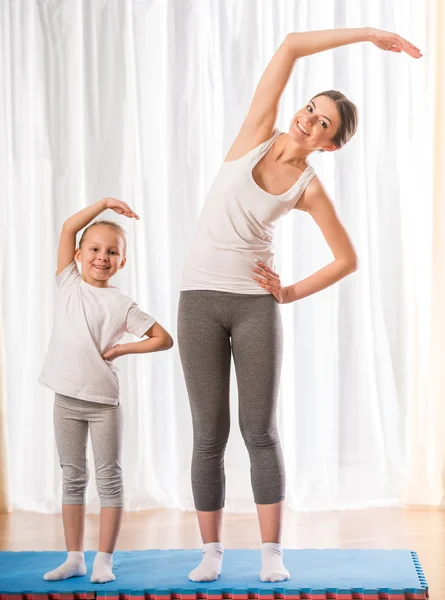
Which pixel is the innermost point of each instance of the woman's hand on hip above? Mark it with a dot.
(270, 281)
(392, 42)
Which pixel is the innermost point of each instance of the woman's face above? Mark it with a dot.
(315, 125)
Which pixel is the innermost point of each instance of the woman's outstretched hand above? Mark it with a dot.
(270, 281)
(392, 42)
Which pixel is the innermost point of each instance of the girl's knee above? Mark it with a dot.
(74, 485)
(110, 490)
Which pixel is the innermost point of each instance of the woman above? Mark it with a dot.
(230, 291)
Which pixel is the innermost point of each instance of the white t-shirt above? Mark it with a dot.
(88, 321)
(237, 226)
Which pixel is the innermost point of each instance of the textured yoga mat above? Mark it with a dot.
(162, 575)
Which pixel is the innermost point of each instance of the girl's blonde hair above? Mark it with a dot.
(117, 228)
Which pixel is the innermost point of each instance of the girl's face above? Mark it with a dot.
(315, 125)
(101, 255)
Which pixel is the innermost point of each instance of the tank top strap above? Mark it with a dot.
(263, 148)
(307, 176)
(303, 182)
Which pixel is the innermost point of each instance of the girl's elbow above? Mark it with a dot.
(287, 44)
(168, 342)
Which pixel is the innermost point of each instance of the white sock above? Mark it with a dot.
(272, 563)
(209, 569)
(74, 566)
(102, 568)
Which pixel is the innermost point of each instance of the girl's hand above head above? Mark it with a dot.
(392, 42)
(120, 207)
(270, 281)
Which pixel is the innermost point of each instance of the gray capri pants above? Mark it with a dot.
(72, 419)
(211, 327)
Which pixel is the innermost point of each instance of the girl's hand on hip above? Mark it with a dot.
(121, 208)
(392, 42)
(270, 281)
(114, 352)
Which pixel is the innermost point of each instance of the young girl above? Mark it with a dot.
(91, 316)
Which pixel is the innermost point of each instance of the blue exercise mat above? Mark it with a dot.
(315, 574)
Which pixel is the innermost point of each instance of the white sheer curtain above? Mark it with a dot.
(425, 459)
(140, 100)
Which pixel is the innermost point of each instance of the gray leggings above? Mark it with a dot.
(72, 419)
(211, 326)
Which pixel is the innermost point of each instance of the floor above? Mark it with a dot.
(420, 530)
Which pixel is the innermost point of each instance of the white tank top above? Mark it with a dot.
(237, 226)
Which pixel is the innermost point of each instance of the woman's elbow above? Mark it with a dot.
(352, 265)
(348, 265)
(291, 42)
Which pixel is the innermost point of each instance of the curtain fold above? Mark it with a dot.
(425, 464)
(5, 502)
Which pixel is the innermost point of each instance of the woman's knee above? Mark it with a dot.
(254, 438)
(212, 444)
